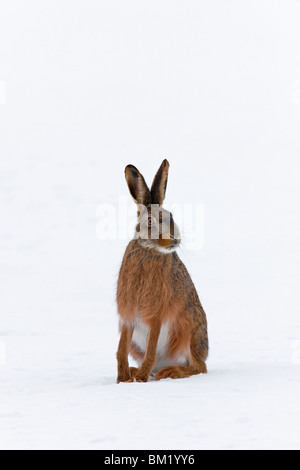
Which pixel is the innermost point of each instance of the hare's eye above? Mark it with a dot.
(151, 220)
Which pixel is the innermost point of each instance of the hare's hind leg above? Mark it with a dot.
(198, 356)
(181, 372)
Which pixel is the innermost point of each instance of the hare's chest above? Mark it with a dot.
(140, 337)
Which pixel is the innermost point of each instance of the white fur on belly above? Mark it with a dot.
(140, 336)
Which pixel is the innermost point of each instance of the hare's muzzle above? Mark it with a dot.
(176, 241)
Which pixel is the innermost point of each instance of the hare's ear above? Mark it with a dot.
(137, 186)
(159, 186)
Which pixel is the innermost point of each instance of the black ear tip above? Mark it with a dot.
(166, 163)
(132, 169)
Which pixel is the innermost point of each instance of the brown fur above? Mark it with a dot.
(159, 186)
(156, 288)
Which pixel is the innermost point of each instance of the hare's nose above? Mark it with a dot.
(177, 241)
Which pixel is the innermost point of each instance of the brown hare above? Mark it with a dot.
(163, 325)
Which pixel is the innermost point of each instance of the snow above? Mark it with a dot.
(90, 87)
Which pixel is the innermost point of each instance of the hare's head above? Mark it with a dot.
(156, 228)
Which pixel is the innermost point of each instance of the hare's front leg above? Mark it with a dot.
(143, 373)
(122, 355)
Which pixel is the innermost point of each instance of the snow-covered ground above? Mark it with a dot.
(91, 86)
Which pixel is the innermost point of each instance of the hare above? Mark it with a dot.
(162, 323)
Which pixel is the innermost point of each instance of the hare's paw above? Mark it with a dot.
(127, 374)
(172, 372)
(130, 376)
(133, 371)
(181, 372)
(139, 375)
(142, 377)
(123, 376)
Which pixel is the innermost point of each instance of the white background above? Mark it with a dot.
(91, 86)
